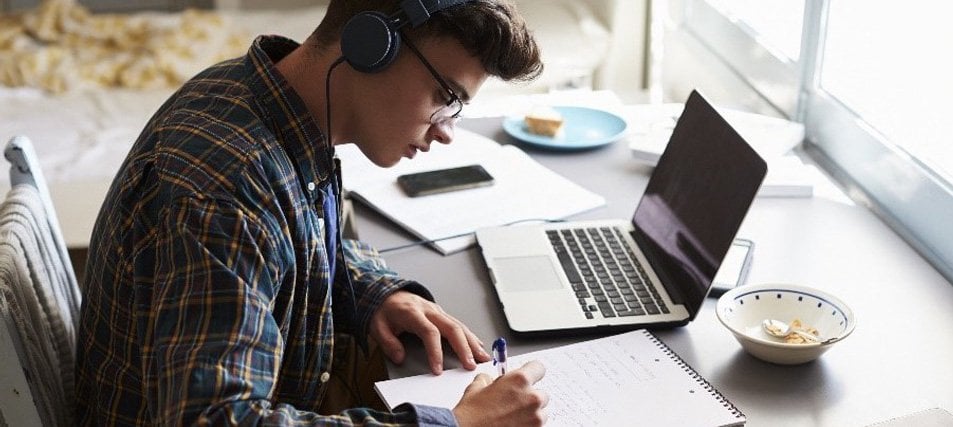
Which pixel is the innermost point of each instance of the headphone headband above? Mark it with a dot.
(419, 11)
(370, 40)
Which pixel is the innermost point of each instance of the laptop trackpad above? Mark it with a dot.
(526, 273)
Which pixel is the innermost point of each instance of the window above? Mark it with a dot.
(759, 40)
(870, 79)
(901, 50)
(776, 24)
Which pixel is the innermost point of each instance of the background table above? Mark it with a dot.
(898, 360)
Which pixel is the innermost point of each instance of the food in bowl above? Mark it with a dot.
(791, 333)
(743, 310)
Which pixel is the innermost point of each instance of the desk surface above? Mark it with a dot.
(895, 362)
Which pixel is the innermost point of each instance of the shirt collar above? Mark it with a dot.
(288, 116)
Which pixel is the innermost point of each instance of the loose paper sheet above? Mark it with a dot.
(523, 189)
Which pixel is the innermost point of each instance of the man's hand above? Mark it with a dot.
(407, 312)
(511, 400)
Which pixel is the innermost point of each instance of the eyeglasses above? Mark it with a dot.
(449, 113)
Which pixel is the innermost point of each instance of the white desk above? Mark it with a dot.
(896, 362)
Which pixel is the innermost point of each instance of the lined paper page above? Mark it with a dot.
(624, 378)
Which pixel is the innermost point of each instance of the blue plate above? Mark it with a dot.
(582, 128)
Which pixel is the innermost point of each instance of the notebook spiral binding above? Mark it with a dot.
(695, 375)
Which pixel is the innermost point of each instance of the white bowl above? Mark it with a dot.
(742, 310)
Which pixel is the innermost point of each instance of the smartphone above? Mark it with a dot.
(734, 269)
(444, 180)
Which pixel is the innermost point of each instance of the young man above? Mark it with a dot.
(218, 288)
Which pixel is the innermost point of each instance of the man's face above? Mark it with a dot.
(394, 112)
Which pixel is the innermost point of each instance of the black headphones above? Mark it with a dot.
(370, 40)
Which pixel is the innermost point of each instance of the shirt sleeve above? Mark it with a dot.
(429, 416)
(211, 348)
(372, 282)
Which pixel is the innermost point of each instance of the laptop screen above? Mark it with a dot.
(695, 201)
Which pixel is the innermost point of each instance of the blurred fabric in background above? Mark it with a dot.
(60, 45)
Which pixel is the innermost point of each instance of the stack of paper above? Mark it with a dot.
(788, 176)
(523, 190)
(774, 139)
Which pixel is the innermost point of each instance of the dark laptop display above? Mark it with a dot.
(695, 202)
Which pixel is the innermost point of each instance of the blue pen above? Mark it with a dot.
(499, 355)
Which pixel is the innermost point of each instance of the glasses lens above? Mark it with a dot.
(448, 113)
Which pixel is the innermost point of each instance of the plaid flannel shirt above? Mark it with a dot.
(207, 297)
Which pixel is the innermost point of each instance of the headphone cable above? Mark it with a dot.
(327, 97)
(439, 239)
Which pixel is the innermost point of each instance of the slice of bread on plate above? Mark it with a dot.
(545, 121)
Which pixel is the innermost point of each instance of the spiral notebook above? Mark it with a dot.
(607, 381)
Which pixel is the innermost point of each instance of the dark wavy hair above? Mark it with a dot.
(491, 30)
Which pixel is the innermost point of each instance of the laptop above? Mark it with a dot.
(654, 270)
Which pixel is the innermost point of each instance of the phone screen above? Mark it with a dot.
(444, 180)
(734, 269)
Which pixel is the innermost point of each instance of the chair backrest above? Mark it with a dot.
(39, 301)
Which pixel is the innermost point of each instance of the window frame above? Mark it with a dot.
(770, 74)
(906, 194)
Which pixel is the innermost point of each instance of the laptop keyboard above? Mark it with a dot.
(605, 274)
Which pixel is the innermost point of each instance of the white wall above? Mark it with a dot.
(622, 70)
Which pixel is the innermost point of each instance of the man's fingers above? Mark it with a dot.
(406, 312)
(479, 383)
(476, 346)
(389, 344)
(534, 371)
(467, 346)
(544, 398)
(430, 336)
(456, 335)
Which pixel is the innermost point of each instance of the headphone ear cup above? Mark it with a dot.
(369, 42)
